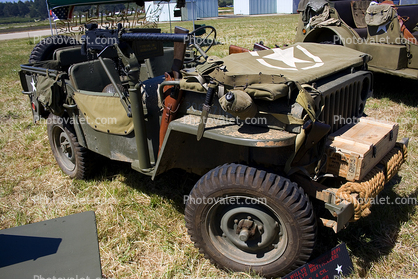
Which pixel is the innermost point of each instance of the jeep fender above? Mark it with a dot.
(181, 149)
(339, 35)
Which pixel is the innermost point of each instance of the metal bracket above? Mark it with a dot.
(344, 211)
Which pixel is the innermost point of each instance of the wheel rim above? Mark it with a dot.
(264, 238)
(62, 144)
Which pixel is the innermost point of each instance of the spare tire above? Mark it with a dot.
(45, 48)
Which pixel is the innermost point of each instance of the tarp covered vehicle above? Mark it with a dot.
(270, 131)
(383, 30)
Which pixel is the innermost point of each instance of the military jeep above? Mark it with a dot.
(385, 31)
(269, 131)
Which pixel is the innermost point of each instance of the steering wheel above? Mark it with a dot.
(203, 38)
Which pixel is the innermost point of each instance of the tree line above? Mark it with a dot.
(37, 9)
(32, 9)
(224, 3)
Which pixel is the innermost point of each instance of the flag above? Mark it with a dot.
(62, 13)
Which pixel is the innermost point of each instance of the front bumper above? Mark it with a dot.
(353, 200)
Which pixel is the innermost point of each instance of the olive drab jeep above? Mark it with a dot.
(278, 128)
(385, 31)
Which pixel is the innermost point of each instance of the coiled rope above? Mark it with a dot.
(360, 194)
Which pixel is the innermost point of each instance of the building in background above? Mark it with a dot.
(256, 7)
(287, 6)
(194, 9)
(406, 2)
(200, 9)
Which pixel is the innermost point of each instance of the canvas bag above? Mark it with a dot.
(50, 94)
(377, 15)
(242, 105)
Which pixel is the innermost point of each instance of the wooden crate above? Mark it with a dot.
(357, 148)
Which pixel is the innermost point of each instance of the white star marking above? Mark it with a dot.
(316, 59)
(339, 269)
(33, 85)
(263, 62)
(286, 56)
(383, 27)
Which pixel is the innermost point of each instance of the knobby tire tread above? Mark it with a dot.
(84, 157)
(267, 183)
(45, 48)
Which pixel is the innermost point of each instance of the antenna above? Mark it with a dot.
(49, 17)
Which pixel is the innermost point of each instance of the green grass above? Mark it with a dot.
(28, 25)
(140, 223)
(225, 10)
(15, 19)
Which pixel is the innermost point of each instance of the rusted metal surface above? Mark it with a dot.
(119, 157)
(248, 135)
(245, 229)
(329, 223)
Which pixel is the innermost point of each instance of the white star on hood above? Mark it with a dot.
(286, 56)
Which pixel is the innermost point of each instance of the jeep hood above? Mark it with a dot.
(302, 62)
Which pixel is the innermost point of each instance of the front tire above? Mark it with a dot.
(245, 219)
(73, 159)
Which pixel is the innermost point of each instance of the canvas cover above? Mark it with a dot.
(359, 9)
(314, 5)
(311, 8)
(302, 63)
(378, 15)
(104, 112)
(383, 25)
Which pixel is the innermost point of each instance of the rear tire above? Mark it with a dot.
(73, 159)
(280, 212)
(45, 48)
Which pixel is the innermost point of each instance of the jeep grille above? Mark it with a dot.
(344, 99)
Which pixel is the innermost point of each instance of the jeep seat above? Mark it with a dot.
(67, 56)
(409, 12)
(91, 76)
(157, 66)
(344, 10)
